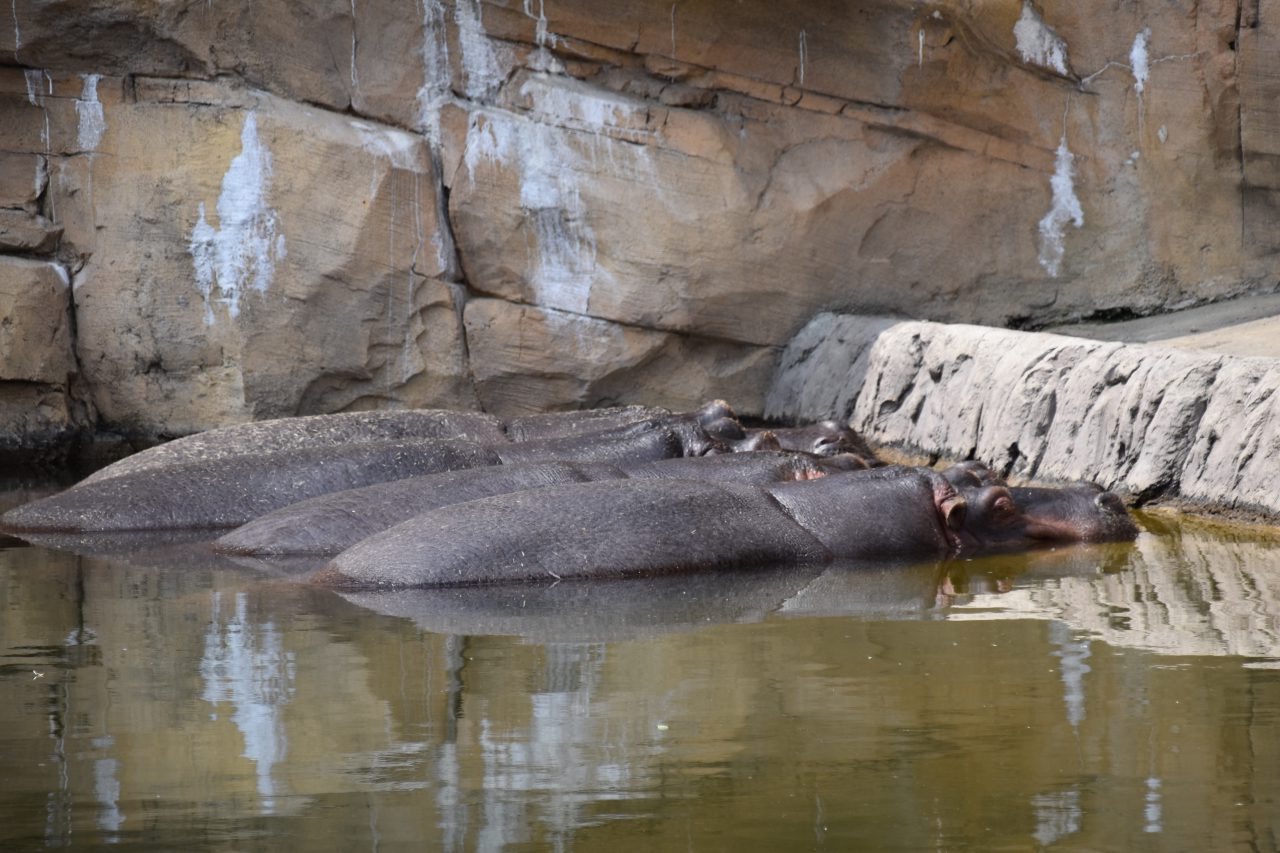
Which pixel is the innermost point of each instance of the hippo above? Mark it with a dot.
(638, 528)
(649, 527)
(1004, 518)
(826, 438)
(329, 523)
(230, 491)
(310, 432)
(315, 431)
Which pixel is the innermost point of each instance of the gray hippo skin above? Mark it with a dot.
(231, 491)
(645, 528)
(638, 527)
(330, 523)
(310, 432)
(315, 431)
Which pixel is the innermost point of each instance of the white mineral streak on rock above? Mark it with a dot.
(354, 81)
(17, 32)
(91, 122)
(804, 53)
(543, 155)
(540, 33)
(1037, 43)
(1064, 208)
(242, 251)
(34, 78)
(396, 146)
(482, 68)
(434, 92)
(563, 247)
(1139, 63)
(920, 55)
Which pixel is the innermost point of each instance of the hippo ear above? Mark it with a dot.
(955, 510)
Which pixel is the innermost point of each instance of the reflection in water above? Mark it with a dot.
(555, 762)
(853, 707)
(1186, 592)
(246, 665)
(106, 788)
(1072, 655)
(1153, 809)
(1058, 815)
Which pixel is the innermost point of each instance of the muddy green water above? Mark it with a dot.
(1094, 698)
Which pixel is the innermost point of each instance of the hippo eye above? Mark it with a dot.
(1002, 507)
(1111, 501)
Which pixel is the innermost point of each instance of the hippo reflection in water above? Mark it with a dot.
(638, 527)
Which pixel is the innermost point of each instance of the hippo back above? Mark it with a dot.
(598, 529)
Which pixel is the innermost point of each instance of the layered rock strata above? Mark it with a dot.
(263, 209)
(1151, 422)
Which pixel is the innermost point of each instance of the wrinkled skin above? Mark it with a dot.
(230, 491)
(330, 523)
(638, 527)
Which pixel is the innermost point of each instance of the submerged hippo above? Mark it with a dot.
(330, 523)
(637, 527)
(229, 491)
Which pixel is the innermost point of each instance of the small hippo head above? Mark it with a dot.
(999, 517)
(826, 438)
(713, 411)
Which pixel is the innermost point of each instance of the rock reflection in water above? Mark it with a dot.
(245, 665)
(1184, 589)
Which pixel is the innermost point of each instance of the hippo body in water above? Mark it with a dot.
(230, 491)
(638, 527)
(644, 527)
(330, 523)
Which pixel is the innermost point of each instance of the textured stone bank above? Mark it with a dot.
(1150, 422)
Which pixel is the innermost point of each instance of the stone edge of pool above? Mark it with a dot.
(1188, 428)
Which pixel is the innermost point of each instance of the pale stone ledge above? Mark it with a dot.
(1148, 421)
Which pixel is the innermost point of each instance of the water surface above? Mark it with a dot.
(1123, 697)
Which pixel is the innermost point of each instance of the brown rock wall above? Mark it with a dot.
(698, 180)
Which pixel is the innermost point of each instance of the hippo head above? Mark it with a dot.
(713, 411)
(999, 517)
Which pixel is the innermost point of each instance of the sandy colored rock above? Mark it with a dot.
(527, 359)
(37, 363)
(276, 260)
(707, 176)
(35, 322)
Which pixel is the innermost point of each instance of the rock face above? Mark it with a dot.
(1141, 419)
(269, 209)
